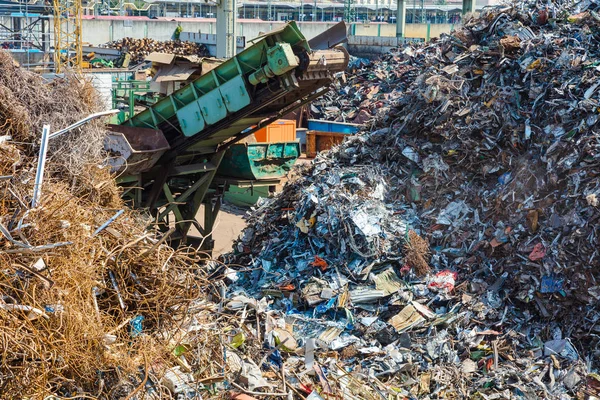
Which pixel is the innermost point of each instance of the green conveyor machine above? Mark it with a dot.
(168, 154)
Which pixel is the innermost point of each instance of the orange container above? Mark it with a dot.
(282, 130)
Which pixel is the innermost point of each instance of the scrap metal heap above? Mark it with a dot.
(368, 90)
(451, 249)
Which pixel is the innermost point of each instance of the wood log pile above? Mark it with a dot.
(139, 49)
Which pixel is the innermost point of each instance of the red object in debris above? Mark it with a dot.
(495, 243)
(320, 263)
(444, 280)
(306, 388)
(542, 18)
(435, 227)
(538, 252)
(405, 269)
(287, 287)
(489, 364)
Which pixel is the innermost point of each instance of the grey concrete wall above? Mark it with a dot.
(105, 29)
(412, 30)
(99, 31)
(371, 46)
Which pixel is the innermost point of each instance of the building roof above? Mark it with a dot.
(387, 4)
(328, 5)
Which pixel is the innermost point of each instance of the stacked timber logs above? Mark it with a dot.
(140, 48)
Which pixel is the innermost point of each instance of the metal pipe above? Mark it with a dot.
(113, 279)
(39, 175)
(82, 122)
(108, 222)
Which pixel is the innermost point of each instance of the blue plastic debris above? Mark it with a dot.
(53, 308)
(324, 307)
(504, 178)
(275, 359)
(136, 325)
(552, 284)
(358, 62)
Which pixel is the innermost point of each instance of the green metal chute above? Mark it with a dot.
(200, 121)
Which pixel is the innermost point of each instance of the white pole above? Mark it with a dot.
(39, 175)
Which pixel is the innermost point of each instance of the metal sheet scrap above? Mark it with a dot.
(485, 144)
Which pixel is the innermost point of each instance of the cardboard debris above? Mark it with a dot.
(406, 319)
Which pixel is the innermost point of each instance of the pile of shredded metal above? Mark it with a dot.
(485, 166)
(92, 304)
(366, 91)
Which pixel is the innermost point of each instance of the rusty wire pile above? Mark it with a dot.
(87, 312)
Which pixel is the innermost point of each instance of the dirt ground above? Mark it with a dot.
(230, 224)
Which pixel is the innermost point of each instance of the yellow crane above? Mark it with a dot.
(67, 35)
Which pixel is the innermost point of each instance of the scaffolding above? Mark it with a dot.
(25, 32)
(67, 35)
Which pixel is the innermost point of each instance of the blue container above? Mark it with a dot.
(330, 126)
(301, 136)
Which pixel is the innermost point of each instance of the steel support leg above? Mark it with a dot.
(199, 195)
(186, 205)
(211, 210)
(157, 187)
